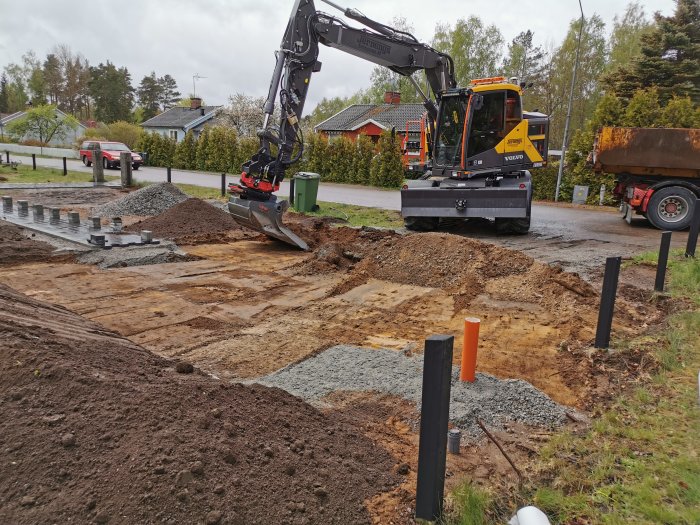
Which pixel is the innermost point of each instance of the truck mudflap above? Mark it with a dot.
(465, 202)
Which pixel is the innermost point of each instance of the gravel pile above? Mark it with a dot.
(151, 200)
(350, 368)
(135, 256)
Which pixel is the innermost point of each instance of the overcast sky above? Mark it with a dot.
(231, 42)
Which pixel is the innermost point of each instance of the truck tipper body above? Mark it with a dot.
(657, 172)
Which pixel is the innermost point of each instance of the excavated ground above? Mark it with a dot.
(249, 306)
(95, 429)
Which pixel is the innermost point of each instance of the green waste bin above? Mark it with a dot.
(306, 191)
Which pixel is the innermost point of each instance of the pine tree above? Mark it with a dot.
(169, 95)
(149, 94)
(670, 57)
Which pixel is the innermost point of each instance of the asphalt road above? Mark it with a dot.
(342, 193)
(577, 238)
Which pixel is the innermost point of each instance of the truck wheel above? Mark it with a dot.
(671, 208)
(86, 161)
(105, 163)
(421, 224)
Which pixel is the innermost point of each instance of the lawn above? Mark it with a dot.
(351, 214)
(359, 215)
(25, 174)
(638, 462)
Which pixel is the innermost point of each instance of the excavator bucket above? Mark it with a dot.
(265, 217)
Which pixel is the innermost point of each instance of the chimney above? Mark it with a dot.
(195, 103)
(392, 97)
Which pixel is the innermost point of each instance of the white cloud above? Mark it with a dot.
(231, 42)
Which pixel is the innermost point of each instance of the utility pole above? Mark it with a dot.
(568, 111)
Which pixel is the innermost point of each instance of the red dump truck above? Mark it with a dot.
(657, 172)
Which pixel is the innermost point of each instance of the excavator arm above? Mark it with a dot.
(253, 202)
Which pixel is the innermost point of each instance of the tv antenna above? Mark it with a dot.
(195, 77)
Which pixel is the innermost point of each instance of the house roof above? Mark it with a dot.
(6, 118)
(181, 118)
(386, 116)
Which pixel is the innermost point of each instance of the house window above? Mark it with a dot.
(173, 134)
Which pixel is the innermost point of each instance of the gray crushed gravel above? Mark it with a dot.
(135, 256)
(495, 401)
(151, 200)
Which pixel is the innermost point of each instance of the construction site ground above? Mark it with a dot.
(241, 307)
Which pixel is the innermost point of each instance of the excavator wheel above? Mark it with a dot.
(421, 224)
(513, 226)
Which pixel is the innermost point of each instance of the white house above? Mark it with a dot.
(176, 122)
(70, 137)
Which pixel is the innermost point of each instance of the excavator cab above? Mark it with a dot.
(481, 129)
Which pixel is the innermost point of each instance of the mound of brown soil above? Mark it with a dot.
(194, 222)
(95, 429)
(15, 248)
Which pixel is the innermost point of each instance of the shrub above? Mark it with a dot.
(125, 132)
(222, 145)
(32, 142)
(387, 169)
(201, 150)
(544, 182)
(186, 153)
(247, 147)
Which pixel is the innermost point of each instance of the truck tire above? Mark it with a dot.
(671, 208)
(421, 224)
(86, 161)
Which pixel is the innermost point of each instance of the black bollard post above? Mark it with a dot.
(65, 167)
(663, 261)
(34, 161)
(223, 185)
(694, 230)
(169, 174)
(7, 154)
(435, 412)
(607, 302)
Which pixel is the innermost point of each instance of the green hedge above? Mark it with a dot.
(341, 160)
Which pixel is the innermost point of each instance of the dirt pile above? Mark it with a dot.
(463, 267)
(16, 248)
(194, 222)
(95, 429)
(151, 200)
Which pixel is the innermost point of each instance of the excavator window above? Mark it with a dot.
(488, 124)
(450, 129)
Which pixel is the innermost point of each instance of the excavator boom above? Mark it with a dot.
(252, 201)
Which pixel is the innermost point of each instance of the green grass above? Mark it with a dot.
(639, 461)
(350, 214)
(359, 215)
(25, 174)
(472, 502)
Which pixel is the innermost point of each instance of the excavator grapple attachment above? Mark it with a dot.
(265, 217)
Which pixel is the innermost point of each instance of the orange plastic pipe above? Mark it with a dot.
(469, 346)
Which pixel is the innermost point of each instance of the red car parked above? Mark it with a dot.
(110, 153)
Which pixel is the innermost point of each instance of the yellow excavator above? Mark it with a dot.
(481, 143)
